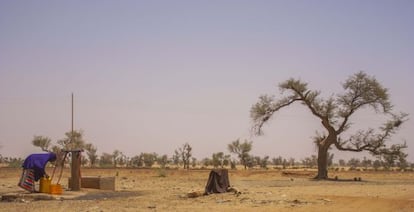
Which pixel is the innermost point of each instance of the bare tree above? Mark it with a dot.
(360, 91)
(184, 155)
(241, 150)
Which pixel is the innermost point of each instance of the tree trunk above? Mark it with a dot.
(322, 163)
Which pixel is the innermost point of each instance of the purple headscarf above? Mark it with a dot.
(38, 162)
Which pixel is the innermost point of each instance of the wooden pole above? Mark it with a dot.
(75, 170)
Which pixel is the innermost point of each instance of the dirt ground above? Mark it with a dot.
(261, 190)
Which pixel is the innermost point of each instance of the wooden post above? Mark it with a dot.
(75, 171)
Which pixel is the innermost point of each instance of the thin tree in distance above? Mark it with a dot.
(183, 154)
(91, 153)
(73, 140)
(241, 150)
(43, 142)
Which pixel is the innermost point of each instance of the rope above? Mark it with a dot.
(54, 169)
(79, 158)
(60, 163)
(61, 168)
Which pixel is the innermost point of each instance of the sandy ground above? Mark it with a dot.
(261, 190)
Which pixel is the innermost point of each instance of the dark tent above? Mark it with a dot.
(218, 181)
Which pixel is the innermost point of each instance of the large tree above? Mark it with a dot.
(360, 91)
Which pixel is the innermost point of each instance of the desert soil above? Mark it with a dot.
(261, 190)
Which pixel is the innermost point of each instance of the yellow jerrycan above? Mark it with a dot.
(44, 186)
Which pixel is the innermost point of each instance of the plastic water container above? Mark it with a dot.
(55, 189)
(44, 186)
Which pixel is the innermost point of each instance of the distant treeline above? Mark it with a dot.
(238, 155)
(220, 160)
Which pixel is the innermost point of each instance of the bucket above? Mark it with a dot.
(55, 189)
(44, 186)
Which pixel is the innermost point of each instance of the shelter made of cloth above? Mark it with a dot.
(218, 181)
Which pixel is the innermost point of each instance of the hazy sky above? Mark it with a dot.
(149, 76)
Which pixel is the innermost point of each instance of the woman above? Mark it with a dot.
(34, 168)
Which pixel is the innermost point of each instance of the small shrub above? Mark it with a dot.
(162, 173)
(15, 164)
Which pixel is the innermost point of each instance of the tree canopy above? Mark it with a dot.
(183, 154)
(73, 140)
(43, 142)
(241, 150)
(360, 91)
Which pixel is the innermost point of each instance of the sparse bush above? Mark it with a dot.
(15, 162)
(162, 172)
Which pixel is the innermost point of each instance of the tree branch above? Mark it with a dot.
(264, 109)
(371, 141)
(361, 90)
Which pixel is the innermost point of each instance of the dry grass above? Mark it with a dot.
(261, 190)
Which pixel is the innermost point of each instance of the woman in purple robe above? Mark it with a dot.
(34, 168)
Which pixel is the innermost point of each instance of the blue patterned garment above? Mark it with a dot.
(38, 162)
